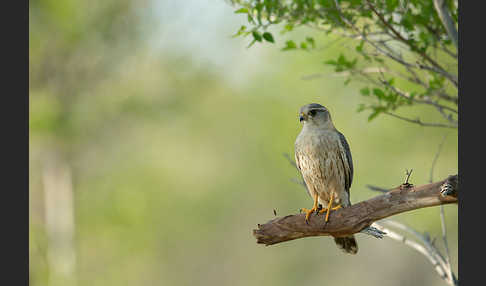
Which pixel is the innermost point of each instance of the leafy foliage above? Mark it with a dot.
(403, 39)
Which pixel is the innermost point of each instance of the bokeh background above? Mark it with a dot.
(157, 142)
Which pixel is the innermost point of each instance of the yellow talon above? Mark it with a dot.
(336, 207)
(329, 209)
(308, 213)
(332, 209)
(313, 209)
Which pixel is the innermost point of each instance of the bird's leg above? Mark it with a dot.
(308, 212)
(325, 210)
(329, 209)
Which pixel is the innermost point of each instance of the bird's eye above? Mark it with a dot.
(312, 112)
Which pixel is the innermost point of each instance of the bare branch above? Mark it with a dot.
(292, 162)
(448, 117)
(355, 218)
(435, 158)
(299, 181)
(377, 189)
(448, 267)
(416, 79)
(417, 121)
(447, 97)
(452, 78)
(446, 245)
(415, 245)
(425, 247)
(447, 51)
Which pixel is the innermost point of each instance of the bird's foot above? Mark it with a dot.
(308, 213)
(328, 211)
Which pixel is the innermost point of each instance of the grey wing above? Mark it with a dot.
(347, 161)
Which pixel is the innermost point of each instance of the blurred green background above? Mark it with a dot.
(156, 144)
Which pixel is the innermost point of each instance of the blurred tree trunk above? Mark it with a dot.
(59, 221)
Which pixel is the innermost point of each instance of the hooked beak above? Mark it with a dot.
(301, 117)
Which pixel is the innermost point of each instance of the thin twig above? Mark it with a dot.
(452, 78)
(299, 181)
(448, 267)
(422, 101)
(408, 173)
(419, 122)
(426, 248)
(377, 189)
(446, 245)
(436, 157)
(447, 51)
(448, 117)
(292, 162)
(416, 79)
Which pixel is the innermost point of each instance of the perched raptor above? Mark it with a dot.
(323, 157)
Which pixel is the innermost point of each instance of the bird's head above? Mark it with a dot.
(315, 115)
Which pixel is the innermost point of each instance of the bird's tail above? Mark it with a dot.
(348, 244)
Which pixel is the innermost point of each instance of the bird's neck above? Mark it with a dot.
(328, 126)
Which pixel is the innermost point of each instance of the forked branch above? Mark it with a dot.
(357, 217)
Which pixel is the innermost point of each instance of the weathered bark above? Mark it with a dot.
(355, 218)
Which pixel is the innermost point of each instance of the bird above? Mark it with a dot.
(324, 160)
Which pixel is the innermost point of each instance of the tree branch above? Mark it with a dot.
(435, 66)
(445, 17)
(357, 217)
(423, 245)
(406, 95)
(419, 122)
(446, 261)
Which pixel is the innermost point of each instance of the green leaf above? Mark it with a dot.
(391, 97)
(311, 41)
(341, 60)
(289, 45)
(391, 5)
(257, 36)
(380, 60)
(287, 28)
(379, 93)
(251, 44)
(376, 111)
(268, 37)
(259, 7)
(241, 11)
(241, 31)
(250, 19)
(331, 62)
(365, 91)
(359, 48)
(373, 115)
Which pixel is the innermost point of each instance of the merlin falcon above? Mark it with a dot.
(323, 158)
